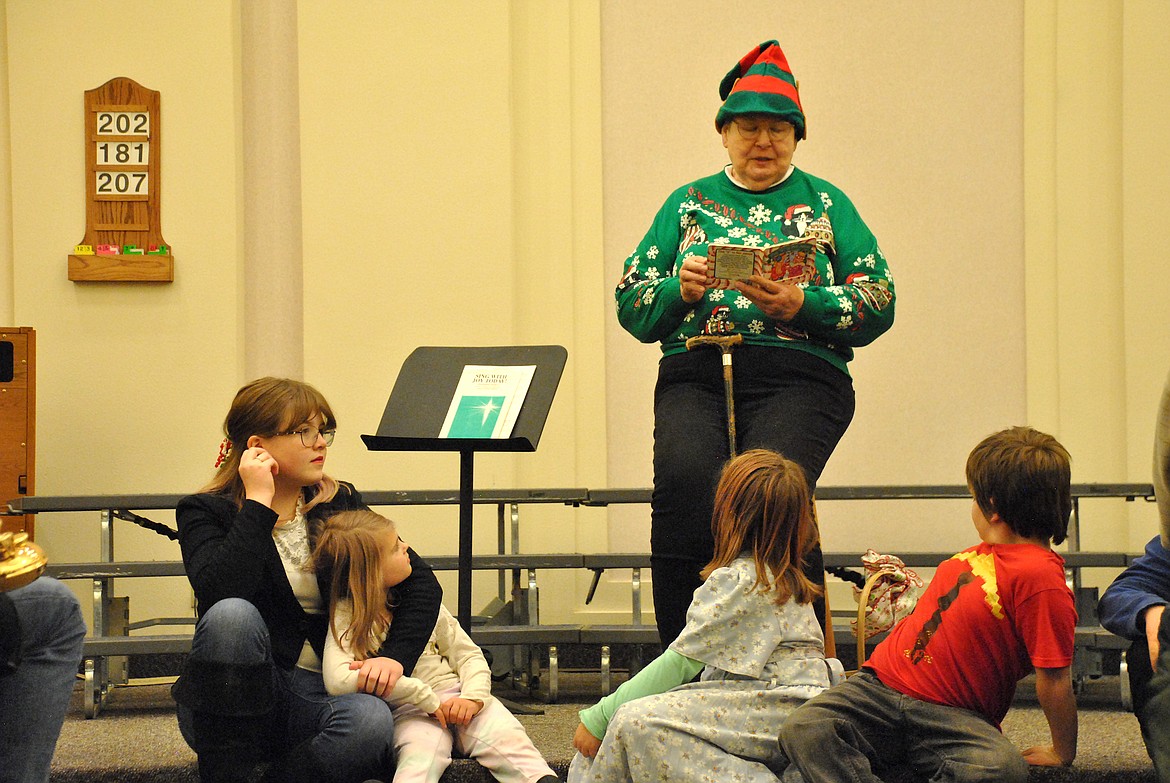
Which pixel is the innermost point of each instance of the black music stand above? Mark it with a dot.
(418, 405)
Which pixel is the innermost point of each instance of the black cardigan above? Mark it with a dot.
(229, 553)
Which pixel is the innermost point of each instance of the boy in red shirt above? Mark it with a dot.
(933, 693)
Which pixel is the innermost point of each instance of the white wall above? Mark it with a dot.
(475, 173)
(1006, 156)
(920, 123)
(131, 378)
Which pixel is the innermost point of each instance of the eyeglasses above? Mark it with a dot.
(750, 130)
(309, 435)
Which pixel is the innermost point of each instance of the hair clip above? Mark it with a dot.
(225, 449)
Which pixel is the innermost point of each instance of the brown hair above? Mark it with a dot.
(1024, 476)
(349, 551)
(266, 407)
(763, 508)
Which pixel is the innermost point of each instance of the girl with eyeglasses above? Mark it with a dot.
(252, 688)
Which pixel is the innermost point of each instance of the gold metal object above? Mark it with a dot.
(21, 561)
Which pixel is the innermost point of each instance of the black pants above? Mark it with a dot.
(785, 400)
(1151, 697)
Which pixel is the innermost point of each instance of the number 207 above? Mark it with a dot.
(122, 182)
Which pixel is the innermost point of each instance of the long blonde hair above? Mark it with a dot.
(266, 407)
(763, 508)
(349, 550)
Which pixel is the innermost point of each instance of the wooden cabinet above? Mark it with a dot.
(18, 402)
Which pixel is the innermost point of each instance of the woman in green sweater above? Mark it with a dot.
(793, 392)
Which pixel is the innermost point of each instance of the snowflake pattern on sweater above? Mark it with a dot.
(848, 305)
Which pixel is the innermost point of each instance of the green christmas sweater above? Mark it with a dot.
(849, 304)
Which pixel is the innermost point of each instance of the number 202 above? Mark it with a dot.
(122, 182)
(123, 122)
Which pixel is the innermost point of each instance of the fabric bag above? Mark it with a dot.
(889, 594)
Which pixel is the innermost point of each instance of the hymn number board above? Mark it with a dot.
(123, 237)
(122, 156)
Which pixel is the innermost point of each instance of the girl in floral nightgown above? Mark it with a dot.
(750, 630)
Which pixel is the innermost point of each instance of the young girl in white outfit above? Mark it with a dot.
(448, 699)
(752, 632)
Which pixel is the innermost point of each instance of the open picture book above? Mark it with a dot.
(794, 261)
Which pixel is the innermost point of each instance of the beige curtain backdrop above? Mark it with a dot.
(474, 173)
(1097, 80)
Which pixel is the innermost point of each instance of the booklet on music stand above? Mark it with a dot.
(487, 401)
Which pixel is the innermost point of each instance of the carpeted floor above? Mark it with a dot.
(135, 739)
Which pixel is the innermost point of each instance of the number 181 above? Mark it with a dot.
(122, 152)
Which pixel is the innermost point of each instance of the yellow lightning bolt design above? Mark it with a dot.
(983, 566)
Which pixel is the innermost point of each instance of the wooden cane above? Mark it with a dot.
(724, 342)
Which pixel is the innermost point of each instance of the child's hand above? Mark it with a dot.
(1153, 620)
(584, 741)
(1043, 756)
(458, 711)
(377, 675)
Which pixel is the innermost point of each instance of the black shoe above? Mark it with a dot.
(299, 765)
(220, 768)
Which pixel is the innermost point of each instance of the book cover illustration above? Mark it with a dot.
(794, 261)
(487, 401)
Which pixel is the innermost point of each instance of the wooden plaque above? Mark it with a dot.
(123, 233)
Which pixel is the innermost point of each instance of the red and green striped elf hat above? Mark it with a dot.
(761, 83)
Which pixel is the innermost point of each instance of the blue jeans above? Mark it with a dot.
(34, 698)
(347, 738)
(785, 400)
(861, 726)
